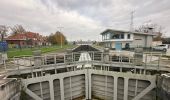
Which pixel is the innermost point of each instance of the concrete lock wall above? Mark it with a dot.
(10, 90)
(91, 84)
(74, 87)
(163, 87)
(41, 89)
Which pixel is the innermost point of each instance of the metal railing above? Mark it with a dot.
(155, 60)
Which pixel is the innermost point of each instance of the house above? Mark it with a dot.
(27, 39)
(118, 39)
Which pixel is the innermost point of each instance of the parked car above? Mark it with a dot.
(162, 47)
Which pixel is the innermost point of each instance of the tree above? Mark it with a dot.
(3, 31)
(166, 40)
(17, 29)
(57, 38)
(150, 26)
(158, 37)
(153, 28)
(51, 39)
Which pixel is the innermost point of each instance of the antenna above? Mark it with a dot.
(131, 23)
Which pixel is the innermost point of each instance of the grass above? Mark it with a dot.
(28, 51)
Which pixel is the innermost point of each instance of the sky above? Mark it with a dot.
(83, 19)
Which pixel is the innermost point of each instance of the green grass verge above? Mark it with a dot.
(28, 51)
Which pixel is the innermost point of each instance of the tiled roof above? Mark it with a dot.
(17, 37)
(24, 36)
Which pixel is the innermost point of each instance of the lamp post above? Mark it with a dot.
(61, 45)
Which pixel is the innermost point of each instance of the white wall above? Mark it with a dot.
(142, 40)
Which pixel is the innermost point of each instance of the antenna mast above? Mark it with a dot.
(131, 23)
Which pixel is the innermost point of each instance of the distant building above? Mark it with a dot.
(84, 42)
(27, 39)
(122, 39)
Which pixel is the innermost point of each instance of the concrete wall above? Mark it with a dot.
(90, 83)
(102, 87)
(56, 86)
(139, 40)
(163, 87)
(137, 86)
(41, 89)
(149, 41)
(10, 90)
(74, 87)
(142, 41)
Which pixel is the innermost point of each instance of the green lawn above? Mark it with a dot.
(28, 51)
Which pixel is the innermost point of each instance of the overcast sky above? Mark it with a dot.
(83, 19)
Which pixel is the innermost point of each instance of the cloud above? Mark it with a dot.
(82, 19)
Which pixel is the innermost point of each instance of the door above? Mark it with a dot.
(118, 46)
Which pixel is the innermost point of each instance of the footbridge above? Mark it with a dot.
(90, 74)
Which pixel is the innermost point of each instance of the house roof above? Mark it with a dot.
(16, 37)
(123, 31)
(24, 36)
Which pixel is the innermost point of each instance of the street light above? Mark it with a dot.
(60, 36)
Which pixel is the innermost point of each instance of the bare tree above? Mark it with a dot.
(158, 30)
(145, 28)
(3, 31)
(17, 29)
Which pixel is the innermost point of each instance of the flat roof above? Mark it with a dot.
(113, 30)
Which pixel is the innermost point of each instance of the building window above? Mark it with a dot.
(122, 36)
(107, 36)
(115, 36)
(128, 36)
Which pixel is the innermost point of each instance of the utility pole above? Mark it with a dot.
(131, 23)
(60, 36)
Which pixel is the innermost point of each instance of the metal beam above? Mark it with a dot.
(33, 95)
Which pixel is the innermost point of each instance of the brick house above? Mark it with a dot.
(27, 39)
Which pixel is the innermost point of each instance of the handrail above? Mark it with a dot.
(97, 57)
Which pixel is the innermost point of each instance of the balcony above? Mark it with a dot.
(118, 37)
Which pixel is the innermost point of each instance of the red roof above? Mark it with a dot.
(24, 36)
(17, 37)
